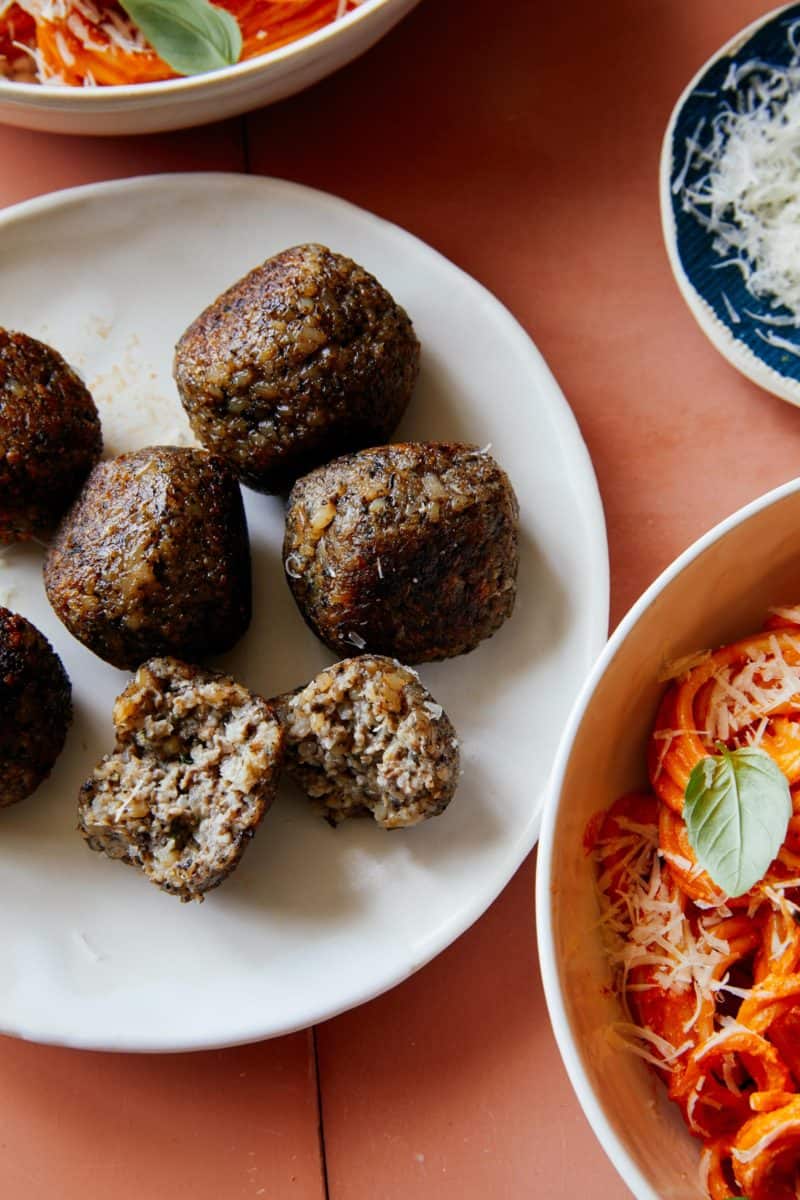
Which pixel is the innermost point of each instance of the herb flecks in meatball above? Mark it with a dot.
(50, 436)
(35, 707)
(409, 550)
(305, 358)
(194, 770)
(366, 737)
(154, 558)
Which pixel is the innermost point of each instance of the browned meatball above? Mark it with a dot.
(365, 737)
(49, 436)
(154, 558)
(194, 770)
(408, 550)
(303, 359)
(35, 707)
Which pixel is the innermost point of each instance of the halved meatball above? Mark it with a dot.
(304, 358)
(364, 737)
(193, 772)
(154, 558)
(409, 550)
(50, 436)
(35, 707)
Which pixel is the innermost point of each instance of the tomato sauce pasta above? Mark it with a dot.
(94, 42)
(710, 984)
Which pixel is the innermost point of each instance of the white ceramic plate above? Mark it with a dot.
(315, 920)
(178, 103)
(743, 328)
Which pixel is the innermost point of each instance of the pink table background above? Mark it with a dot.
(521, 140)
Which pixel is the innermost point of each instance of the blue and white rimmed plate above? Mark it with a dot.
(757, 334)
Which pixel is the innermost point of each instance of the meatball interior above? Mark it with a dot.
(35, 707)
(366, 737)
(409, 550)
(154, 558)
(193, 772)
(50, 436)
(306, 357)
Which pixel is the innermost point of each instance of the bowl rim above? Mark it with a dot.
(567, 1045)
(84, 97)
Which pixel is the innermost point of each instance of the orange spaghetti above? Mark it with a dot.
(711, 985)
(94, 42)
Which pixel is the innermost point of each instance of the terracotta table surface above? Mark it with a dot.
(526, 149)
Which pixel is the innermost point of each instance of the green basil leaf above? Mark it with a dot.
(737, 812)
(192, 36)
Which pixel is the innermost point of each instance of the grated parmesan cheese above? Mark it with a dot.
(646, 926)
(85, 20)
(746, 1156)
(64, 50)
(788, 612)
(748, 193)
(628, 1036)
(743, 694)
(676, 667)
(667, 737)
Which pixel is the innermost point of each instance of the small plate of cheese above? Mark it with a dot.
(730, 200)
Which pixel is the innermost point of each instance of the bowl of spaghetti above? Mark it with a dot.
(143, 66)
(668, 889)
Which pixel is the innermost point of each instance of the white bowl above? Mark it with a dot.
(718, 589)
(177, 103)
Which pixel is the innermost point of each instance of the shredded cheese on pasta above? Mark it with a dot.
(710, 987)
(86, 43)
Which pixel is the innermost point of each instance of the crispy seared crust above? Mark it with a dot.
(50, 436)
(154, 558)
(364, 737)
(304, 358)
(194, 770)
(409, 550)
(35, 707)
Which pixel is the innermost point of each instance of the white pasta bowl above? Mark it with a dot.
(719, 589)
(198, 99)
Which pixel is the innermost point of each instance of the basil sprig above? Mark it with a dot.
(737, 812)
(192, 36)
